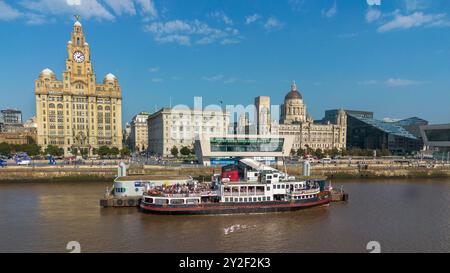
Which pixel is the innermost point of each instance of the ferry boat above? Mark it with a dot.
(245, 187)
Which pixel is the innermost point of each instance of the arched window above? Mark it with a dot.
(107, 108)
(60, 106)
(100, 108)
(51, 105)
(78, 41)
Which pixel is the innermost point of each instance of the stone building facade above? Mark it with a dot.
(139, 132)
(77, 113)
(171, 127)
(295, 121)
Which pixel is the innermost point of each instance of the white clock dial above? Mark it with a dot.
(78, 56)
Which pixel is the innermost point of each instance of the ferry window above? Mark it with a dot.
(268, 198)
(259, 198)
(254, 199)
(236, 199)
(268, 188)
(240, 199)
(177, 201)
(226, 199)
(275, 175)
(296, 186)
(245, 199)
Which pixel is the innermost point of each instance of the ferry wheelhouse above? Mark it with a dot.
(246, 187)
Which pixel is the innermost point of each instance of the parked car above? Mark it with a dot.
(3, 163)
(325, 160)
(23, 162)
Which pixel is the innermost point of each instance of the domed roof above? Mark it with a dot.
(293, 94)
(110, 77)
(77, 24)
(47, 72)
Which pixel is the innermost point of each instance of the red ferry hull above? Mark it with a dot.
(234, 208)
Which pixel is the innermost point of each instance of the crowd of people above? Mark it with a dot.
(186, 189)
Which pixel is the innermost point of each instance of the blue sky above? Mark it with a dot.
(391, 57)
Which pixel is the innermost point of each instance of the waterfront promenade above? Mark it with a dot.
(341, 169)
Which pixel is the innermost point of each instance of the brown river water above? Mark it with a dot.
(402, 215)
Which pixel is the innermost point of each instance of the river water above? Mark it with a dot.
(402, 215)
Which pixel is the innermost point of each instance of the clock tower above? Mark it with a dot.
(79, 70)
(77, 114)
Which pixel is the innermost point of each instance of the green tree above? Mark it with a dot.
(104, 151)
(319, 153)
(334, 152)
(32, 149)
(174, 151)
(53, 150)
(114, 151)
(301, 152)
(125, 152)
(185, 151)
(5, 149)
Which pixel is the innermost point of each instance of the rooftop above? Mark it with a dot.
(387, 127)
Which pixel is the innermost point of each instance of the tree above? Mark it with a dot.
(114, 151)
(334, 152)
(103, 151)
(185, 151)
(319, 153)
(5, 149)
(300, 152)
(32, 149)
(174, 151)
(53, 150)
(124, 152)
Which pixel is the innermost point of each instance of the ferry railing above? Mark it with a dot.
(184, 195)
(244, 193)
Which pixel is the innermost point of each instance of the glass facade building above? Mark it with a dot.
(231, 144)
(369, 133)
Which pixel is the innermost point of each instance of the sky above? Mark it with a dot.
(387, 56)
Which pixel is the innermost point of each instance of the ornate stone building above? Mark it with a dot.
(139, 132)
(295, 121)
(77, 113)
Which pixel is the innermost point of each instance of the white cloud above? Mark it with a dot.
(273, 23)
(331, 12)
(154, 69)
(401, 82)
(296, 5)
(7, 12)
(183, 32)
(148, 8)
(213, 78)
(252, 18)
(416, 19)
(221, 16)
(228, 41)
(121, 7)
(86, 8)
(413, 5)
(157, 80)
(230, 80)
(372, 15)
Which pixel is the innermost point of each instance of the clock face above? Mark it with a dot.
(78, 57)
